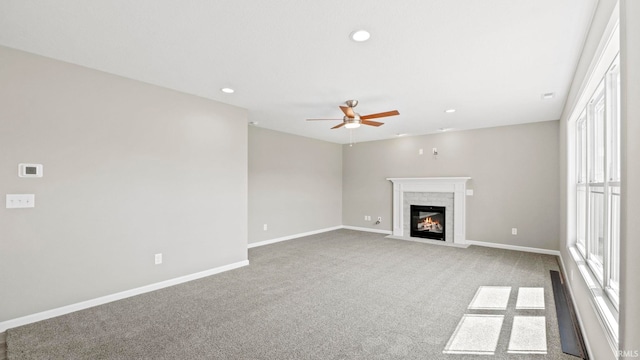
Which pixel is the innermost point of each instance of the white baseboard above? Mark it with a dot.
(117, 296)
(291, 237)
(314, 232)
(377, 231)
(514, 247)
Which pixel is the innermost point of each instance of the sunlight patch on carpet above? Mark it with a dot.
(475, 334)
(528, 335)
(491, 298)
(530, 298)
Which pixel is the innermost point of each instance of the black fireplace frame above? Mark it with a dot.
(415, 214)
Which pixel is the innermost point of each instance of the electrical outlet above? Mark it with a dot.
(158, 259)
(420, 152)
(380, 218)
(264, 227)
(514, 231)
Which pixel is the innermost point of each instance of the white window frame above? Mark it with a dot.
(597, 234)
(598, 276)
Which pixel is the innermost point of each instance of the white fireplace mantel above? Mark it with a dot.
(455, 185)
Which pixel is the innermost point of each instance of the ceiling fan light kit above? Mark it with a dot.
(352, 125)
(352, 119)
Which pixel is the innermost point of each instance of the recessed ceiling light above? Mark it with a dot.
(360, 35)
(227, 90)
(548, 96)
(449, 111)
(401, 135)
(444, 129)
(254, 123)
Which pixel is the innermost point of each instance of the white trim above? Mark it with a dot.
(294, 236)
(604, 309)
(114, 297)
(391, 236)
(514, 247)
(599, 63)
(377, 231)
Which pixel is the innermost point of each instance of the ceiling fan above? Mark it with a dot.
(352, 119)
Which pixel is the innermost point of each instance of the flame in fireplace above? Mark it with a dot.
(428, 220)
(431, 224)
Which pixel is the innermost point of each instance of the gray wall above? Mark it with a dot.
(295, 184)
(514, 171)
(630, 227)
(130, 170)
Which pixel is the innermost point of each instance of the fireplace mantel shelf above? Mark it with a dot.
(455, 185)
(429, 179)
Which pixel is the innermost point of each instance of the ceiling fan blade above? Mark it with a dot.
(379, 115)
(322, 119)
(338, 126)
(348, 111)
(372, 123)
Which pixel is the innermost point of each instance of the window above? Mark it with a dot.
(597, 188)
(593, 192)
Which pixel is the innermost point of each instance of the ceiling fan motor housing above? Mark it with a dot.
(351, 103)
(354, 120)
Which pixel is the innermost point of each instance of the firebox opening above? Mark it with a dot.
(428, 222)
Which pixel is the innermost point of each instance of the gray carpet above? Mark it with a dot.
(337, 295)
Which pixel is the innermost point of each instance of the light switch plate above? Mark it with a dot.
(18, 201)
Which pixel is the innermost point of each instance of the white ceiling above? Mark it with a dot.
(289, 60)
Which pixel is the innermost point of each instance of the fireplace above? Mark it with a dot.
(449, 192)
(428, 222)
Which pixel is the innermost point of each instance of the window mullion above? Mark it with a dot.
(591, 167)
(606, 213)
(608, 118)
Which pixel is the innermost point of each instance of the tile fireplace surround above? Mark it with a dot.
(452, 185)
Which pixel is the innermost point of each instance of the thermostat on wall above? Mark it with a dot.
(30, 170)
